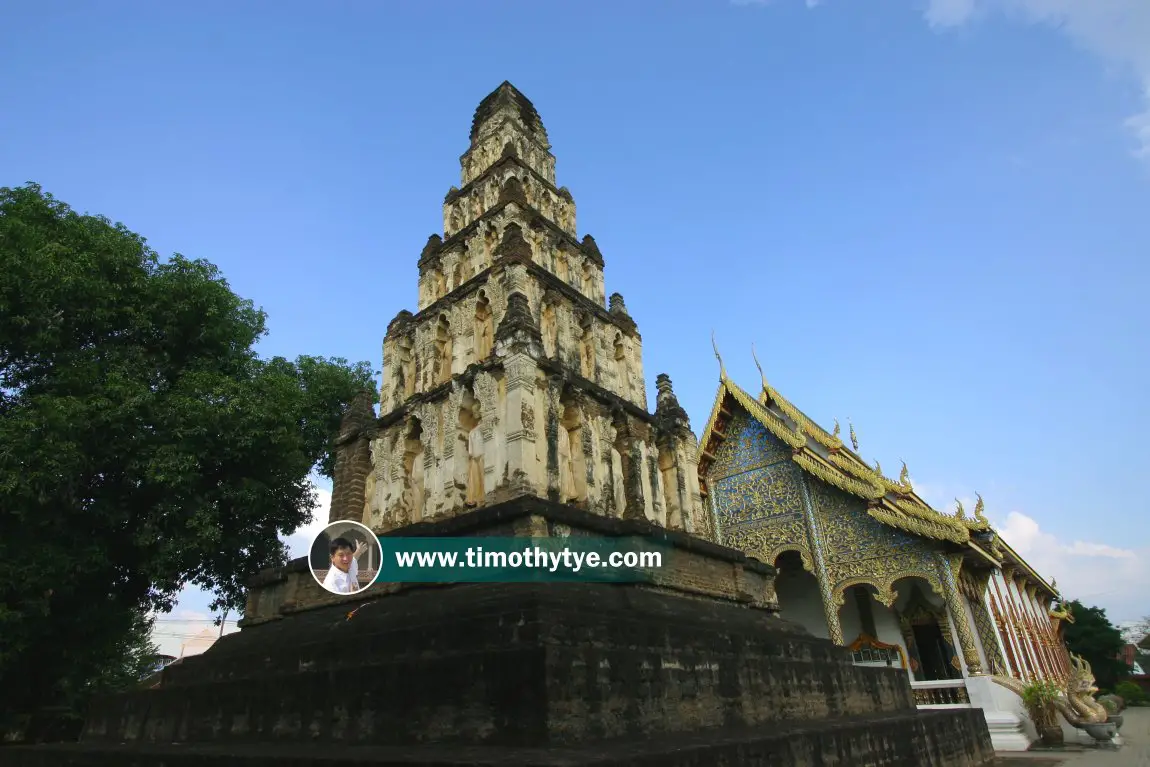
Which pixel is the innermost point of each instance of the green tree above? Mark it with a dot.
(143, 444)
(1096, 639)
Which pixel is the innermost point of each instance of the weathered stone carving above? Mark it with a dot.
(587, 351)
(518, 302)
(484, 329)
(444, 344)
(549, 329)
(474, 466)
(413, 470)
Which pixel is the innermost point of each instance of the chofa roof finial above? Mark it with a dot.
(854, 437)
(722, 368)
(762, 375)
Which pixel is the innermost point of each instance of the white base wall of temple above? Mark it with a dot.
(1010, 727)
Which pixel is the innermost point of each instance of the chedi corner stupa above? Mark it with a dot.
(514, 403)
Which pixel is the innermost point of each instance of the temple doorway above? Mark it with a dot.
(932, 654)
(926, 631)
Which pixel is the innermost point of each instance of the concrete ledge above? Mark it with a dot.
(694, 567)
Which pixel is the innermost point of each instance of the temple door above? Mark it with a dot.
(926, 630)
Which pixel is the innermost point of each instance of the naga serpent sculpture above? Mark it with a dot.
(1076, 704)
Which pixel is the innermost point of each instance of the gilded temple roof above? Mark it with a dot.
(823, 454)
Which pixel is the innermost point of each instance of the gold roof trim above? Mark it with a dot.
(855, 466)
(809, 427)
(990, 558)
(955, 530)
(926, 528)
(774, 424)
(841, 468)
(1029, 571)
(718, 408)
(980, 523)
(831, 476)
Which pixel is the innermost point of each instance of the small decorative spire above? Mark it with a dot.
(722, 368)
(618, 309)
(854, 437)
(591, 250)
(838, 429)
(878, 468)
(513, 246)
(959, 512)
(979, 508)
(762, 375)
(431, 249)
(518, 323)
(512, 191)
(1054, 583)
(669, 414)
(904, 475)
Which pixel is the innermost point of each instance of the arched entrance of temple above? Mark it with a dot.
(926, 630)
(870, 628)
(797, 591)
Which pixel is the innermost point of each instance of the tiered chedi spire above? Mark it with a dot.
(516, 376)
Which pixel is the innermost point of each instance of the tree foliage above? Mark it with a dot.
(143, 443)
(1096, 639)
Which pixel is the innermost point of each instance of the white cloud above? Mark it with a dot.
(1116, 30)
(1095, 573)
(949, 13)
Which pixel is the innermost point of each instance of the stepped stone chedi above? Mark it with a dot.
(513, 375)
(514, 404)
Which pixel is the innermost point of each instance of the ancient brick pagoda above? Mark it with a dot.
(514, 403)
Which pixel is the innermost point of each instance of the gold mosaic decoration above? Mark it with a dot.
(768, 542)
(902, 509)
(973, 587)
(763, 516)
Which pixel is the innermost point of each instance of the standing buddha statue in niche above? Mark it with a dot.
(474, 466)
(484, 331)
(587, 353)
(549, 329)
(566, 466)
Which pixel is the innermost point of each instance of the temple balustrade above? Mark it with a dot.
(949, 693)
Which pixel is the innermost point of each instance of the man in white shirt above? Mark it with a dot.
(343, 576)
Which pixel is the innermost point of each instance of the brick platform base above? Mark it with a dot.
(525, 674)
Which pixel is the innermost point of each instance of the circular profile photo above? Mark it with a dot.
(345, 557)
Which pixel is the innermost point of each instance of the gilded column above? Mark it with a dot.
(949, 567)
(830, 606)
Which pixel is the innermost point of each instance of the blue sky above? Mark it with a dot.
(931, 218)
